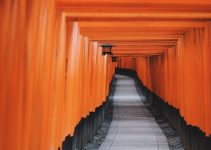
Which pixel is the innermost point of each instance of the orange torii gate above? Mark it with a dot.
(52, 72)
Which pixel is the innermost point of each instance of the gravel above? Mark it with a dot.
(102, 132)
(173, 138)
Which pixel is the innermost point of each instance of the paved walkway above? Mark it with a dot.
(132, 127)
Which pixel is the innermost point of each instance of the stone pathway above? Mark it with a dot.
(132, 127)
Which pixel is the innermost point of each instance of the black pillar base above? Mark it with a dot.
(193, 138)
(85, 130)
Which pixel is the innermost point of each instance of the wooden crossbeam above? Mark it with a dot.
(142, 24)
(135, 37)
(137, 16)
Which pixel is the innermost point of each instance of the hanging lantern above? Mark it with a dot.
(107, 49)
(114, 59)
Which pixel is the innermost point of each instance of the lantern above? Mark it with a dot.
(114, 59)
(107, 49)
